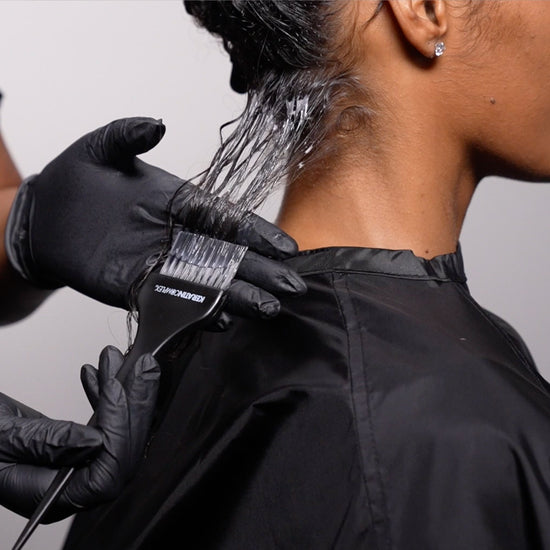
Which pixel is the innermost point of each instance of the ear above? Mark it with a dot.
(423, 22)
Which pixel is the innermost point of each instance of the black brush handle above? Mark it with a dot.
(167, 308)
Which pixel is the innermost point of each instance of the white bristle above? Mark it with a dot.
(203, 260)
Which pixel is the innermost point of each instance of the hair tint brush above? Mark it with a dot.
(187, 293)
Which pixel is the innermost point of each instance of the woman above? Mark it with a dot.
(385, 409)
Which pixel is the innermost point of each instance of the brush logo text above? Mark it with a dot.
(161, 289)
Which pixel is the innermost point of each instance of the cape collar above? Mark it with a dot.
(395, 263)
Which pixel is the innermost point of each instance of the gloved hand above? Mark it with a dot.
(96, 215)
(106, 455)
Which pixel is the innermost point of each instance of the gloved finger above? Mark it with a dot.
(270, 275)
(265, 238)
(220, 324)
(199, 211)
(141, 386)
(22, 487)
(250, 301)
(102, 479)
(48, 442)
(44, 441)
(111, 414)
(10, 407)
(122, 139)
(90, 383)
(110, 362)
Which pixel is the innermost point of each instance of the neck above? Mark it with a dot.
(395, 197)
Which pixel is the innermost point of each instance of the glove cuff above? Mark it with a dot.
(17, 236)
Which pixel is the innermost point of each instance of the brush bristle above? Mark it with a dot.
(203, 260)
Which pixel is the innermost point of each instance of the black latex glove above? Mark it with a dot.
(95, 216)
(31, 446)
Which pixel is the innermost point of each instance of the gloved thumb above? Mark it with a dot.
(122, 139)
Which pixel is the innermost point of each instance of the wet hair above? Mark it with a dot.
(287, 57)
(296, 63)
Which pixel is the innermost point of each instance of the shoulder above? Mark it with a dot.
(518, 345)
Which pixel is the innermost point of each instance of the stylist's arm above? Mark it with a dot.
(17, 297)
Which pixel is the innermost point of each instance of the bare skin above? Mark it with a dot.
(18, 298)
(440, 124)
(9, 182)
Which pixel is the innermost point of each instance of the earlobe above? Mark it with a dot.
(423, 23)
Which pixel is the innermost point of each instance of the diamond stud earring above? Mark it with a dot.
(439, 49)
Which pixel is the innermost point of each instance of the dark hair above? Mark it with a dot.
(266, 36)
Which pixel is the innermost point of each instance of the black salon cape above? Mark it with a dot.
(383, 410)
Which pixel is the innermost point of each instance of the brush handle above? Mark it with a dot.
(59, 483)
(167, 308)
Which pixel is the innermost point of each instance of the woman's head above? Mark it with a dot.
(495, 61)
(487, 92)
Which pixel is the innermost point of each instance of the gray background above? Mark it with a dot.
(70, 66)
